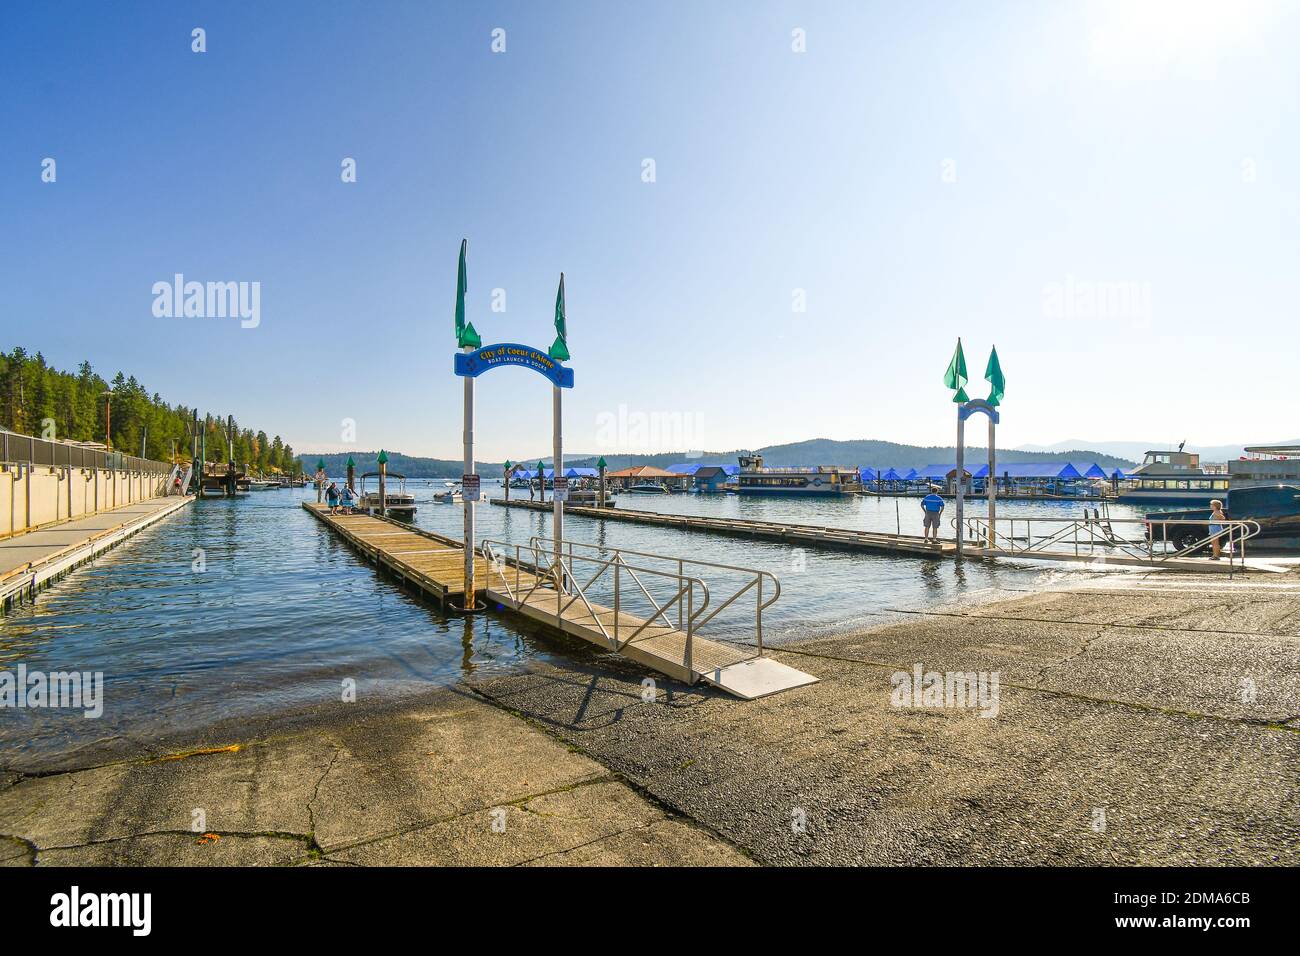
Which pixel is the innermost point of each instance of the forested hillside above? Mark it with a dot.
(37, 399)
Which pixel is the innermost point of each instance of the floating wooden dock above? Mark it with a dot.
(434, 564)
(839, 538)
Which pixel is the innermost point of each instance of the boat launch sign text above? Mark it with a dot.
(475, 363)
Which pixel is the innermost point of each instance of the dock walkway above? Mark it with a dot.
(31, 561)
(818, 535)
(434, 564)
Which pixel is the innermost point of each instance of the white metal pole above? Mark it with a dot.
(469, 505)
(961, 471)
(993, 485)
(557, 453)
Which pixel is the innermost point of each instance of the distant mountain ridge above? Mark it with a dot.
(1136, 449)
(815, 451)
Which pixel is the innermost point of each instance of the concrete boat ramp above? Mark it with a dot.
(647, 608)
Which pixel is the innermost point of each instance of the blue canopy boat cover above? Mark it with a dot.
(1089, 469)
(941, 472)
(1059, 470)
(690, 468)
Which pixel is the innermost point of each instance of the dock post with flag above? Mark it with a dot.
(559, 351)
(993, 375)
(955, 378)
(468, 339)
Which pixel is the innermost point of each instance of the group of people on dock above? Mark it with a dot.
(340, 500)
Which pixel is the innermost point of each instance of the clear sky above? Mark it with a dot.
(1107, 191)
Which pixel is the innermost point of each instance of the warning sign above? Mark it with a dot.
(561, 488)
(469, 487)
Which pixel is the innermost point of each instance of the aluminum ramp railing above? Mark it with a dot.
(621, 600)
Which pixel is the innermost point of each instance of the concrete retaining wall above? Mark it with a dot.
(32, 496)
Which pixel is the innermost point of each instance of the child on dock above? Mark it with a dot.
(1217, 517)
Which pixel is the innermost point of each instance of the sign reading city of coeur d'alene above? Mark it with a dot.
(475, 363)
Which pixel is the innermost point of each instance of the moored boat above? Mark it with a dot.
(818, 480)
(399, 504)
(1172, 477)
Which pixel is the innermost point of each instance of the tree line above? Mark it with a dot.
(37, 399)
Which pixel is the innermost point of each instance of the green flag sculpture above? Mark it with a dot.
(955, 378)
(560, 347)
(993, 375)
(466, 336)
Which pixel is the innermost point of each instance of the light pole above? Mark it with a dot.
(108, 419)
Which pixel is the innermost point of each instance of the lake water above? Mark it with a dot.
(279, 612)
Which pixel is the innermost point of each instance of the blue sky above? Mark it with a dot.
(922, 171)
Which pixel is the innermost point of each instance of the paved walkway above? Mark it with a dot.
(25, 552)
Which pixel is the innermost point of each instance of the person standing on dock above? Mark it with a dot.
(1217, 518)
(332, 497)
(932, 508)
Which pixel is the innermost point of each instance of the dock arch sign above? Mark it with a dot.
(474, 363)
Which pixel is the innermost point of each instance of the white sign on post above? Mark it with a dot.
(561, 488)
(469, 487)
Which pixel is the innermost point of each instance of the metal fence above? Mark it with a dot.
(25, 449)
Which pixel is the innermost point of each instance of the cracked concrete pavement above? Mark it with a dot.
(448, 780)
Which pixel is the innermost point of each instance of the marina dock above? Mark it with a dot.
(839, 538)
(1089, 548)
(432, 563)
(35, 559)
(528, 589)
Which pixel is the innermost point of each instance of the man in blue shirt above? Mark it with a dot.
(932, 507)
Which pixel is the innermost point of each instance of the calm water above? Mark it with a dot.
(282, 612)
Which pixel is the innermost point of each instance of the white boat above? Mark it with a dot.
(261, 484)
(399, 504)
(451, 496)
(818, 480)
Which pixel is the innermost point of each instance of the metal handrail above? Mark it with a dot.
(1095, 531)
(759, 574)
(553, 566)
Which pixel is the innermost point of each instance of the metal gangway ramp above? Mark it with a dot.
(646, 607)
